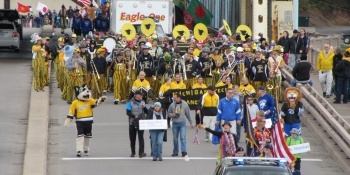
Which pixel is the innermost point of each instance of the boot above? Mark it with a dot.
(80, 144)
(86, 145)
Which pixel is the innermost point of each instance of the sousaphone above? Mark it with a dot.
(181, 31)
(148, 26)
(200, 32)
(226, 27)
(244, 31)
(128, 30)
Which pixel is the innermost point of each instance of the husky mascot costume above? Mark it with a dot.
(81, 109)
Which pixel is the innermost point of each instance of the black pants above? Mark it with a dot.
(132, 136)
(297, 164)
(199, 120)
(84, 129)
(77, 31)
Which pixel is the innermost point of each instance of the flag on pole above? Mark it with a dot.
(22, 8)
(42, 8)
(88, 2)
(280, 148)
(199, 13)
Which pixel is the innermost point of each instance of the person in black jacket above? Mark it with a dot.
(338, 56)
(343, 73)
(284, 42)
(295, 48)
(301, 72)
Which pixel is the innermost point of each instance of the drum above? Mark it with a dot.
(110, 43)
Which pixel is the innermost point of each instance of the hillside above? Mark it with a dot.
(322, 13)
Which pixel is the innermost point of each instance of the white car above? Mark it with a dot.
(9, 37)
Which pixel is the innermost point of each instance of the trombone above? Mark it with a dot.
(232, 67)
(94, 73)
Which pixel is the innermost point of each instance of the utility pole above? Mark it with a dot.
(269, 20)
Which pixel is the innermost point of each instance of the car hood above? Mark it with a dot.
(10, 15)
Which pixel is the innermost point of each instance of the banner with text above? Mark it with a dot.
(191, 96)
(301, 148)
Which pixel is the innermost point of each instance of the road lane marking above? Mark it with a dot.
(165, 158)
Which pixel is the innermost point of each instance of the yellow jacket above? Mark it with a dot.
(325, 62)
(199, 86)
(82, 110)
(175, 85)
(141, 85)
(165, 87)
(247, 90)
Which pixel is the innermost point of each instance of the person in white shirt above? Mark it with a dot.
(253, 109)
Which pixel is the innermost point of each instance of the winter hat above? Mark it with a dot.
(157, 104)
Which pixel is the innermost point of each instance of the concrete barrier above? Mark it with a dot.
(35, 155)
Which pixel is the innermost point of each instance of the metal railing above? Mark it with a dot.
(328, 118)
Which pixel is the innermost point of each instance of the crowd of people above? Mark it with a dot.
(152, 68)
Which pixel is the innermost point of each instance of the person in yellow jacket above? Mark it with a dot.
(222, 82)
(165, 97)
(246, 89)
(199, 84)
(119, 78)
(177, 84)
(141, 84)
(38, 63)
(324, 68)
(207, 107)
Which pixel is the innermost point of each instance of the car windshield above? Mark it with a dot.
(256, 171)
(6, 26)
(159, 29)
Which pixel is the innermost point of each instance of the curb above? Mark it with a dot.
(35, 155)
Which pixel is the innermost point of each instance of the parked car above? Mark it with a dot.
(253, 166)
(346, 37)
(12, 15)
(9, 37)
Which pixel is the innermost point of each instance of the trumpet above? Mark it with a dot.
(94, 72)
(210, 62)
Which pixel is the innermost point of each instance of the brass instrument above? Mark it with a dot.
(94, 73)
(182, 62)
(127, 64)
(174, 66)
(232, 67)
(142, 67)
(134, 59)
(218, 62)
(210, 62)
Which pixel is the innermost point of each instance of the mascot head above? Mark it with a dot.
(82, 93)
(292, 96)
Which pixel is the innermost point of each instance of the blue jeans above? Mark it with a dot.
(342, 87)
(294, 82)
(292, 59)
(179, 128)
(157, 142)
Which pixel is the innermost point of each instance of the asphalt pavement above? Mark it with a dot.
(109, 153)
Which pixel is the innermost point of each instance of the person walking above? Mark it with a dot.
(207, 105)
(229, 110)
(179, 111)
(158, 134)
(136, 110)
(343, 73)
(296, 139)
(295, 48)
(324, 67)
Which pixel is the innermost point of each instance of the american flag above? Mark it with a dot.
(85, 2)
(280, 148)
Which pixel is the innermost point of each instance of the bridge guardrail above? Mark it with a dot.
(327, 117)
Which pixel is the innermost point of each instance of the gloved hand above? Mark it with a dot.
(67, 122)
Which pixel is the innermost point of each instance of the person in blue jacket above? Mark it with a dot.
(104, 23)
(76, 23)
(266, 102)
(97, 23)
(229, 110)
(86, 25)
